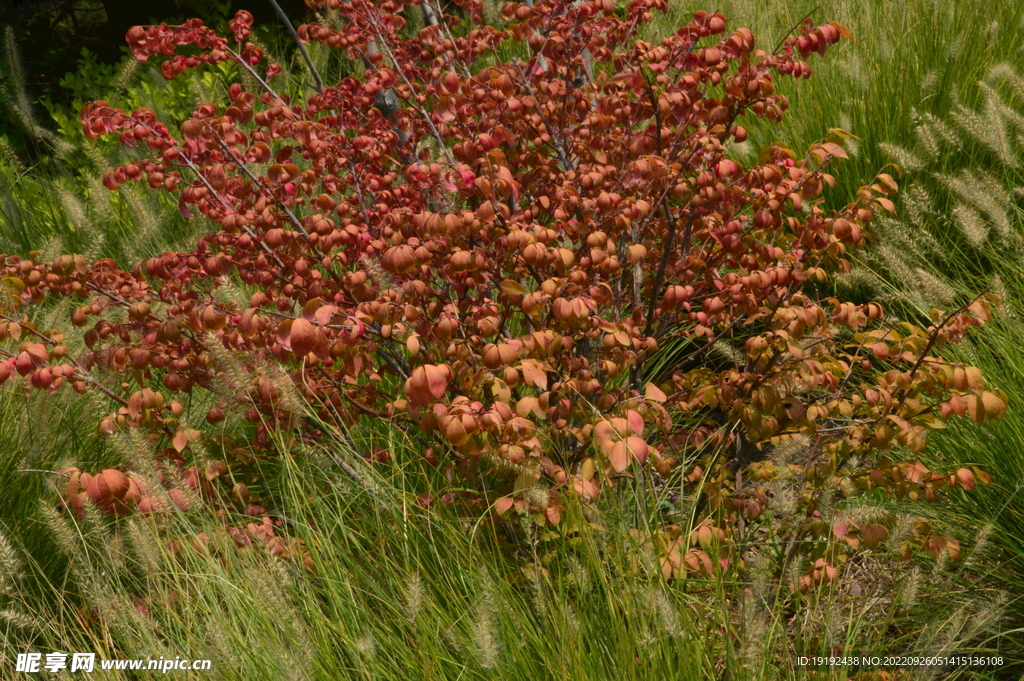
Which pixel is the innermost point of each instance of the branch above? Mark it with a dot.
(259, 183)
(319, 87)
(192, 166)
(82, 373)
(663, 265)
(789, 33)
(245, 65)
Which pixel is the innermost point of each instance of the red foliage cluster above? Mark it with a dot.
(491, 252)
(164, 40)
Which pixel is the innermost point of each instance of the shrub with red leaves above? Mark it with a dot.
(489, 252)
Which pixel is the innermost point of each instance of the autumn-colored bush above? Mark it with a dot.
(491, 253)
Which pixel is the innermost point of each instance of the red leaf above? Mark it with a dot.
(437, 379)
(966, 478)
(135, 405)
(303, 337)
(503, 505)
(636, 422)
(324, 314)
(184, 209)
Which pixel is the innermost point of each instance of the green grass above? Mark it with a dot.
(920, 56)
(402, 592)
(931, 86)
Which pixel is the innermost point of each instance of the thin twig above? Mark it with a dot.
(245, 65)
(319, 87)
(789, 33)
(259, 183)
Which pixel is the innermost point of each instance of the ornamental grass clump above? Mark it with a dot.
(492, 238)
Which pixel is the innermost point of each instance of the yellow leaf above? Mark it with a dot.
(839, 132)
(15, 283)
(512, 288)
(525, 480)
(887, 180)
(501, 391)
(843, 31)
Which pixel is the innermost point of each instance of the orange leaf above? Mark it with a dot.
(993, 406)
(135, 405)
(974, 411)
(503, 505)
(635, 421)
(534, 373)
(841, 528)
(886, 204)
(486, 212)
(619, 456)
(874, 535)
(654, 393)
(587, 489)
(638, 448)
(966, 478)
(526, 405)
(603, 434)
(412, 344)
(324, 314)
(833, 149)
